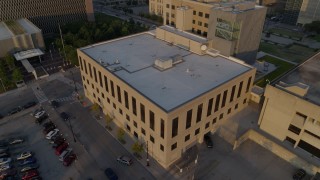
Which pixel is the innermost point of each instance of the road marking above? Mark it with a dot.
(40, 95)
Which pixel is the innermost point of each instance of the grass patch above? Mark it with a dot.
(285, 32)
(282, 67)
(295, 53)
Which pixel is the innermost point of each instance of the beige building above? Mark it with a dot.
(47, 14)
(291, 109)
(169, 93)
(19, 35)
(233, 28)
(309, 11)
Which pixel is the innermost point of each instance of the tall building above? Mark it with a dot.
(300, 12)
(291, 109)
(47, 14)
(167, 94)
(233, 28)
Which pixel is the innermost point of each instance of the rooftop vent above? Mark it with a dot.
(163, 64)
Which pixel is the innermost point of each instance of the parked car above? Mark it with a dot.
(5, 160)
(299, 174)
(54, 104)
(64, 116)
(29, 167)
(48, 129)
(125, 160)
(61, 148)
(16, 141)
(8, 173)
(208, 141)
(36, 111)
(4, 155)
(58, 143)
(52, 133)
(24, 155)
(65, 153)
(29, 160)
(110, 174)
(30, 174)
(29, 105)
(69, 159)
(4, 167)
(39, 114)
(14, 110)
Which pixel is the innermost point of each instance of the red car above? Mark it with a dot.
(61, 148)
(30, 174)
(68, 160)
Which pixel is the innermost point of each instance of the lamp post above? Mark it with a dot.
(147, 155)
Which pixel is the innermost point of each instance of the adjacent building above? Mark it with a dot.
(47, 14)
(167, 94)
(233, 28)
(291, 109)
(19, 35)
(300, 12)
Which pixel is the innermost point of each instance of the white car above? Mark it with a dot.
(5, 160)
(65, 153)
(24, 155)
(52, 133)
(4, 167)
(16, 141)
(39, 114)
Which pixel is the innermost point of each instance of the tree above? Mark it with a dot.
(10, 61)
(16, 75)
(120, 135)
(95, 108)
(313, 27)
(137, 147)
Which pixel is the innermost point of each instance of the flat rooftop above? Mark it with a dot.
(309, 74)
(132, 60)
(25, 25)
(185, 34)
(5, 33)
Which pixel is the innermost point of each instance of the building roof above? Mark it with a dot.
(28, 26)
(185, 34)
(132, 60)
(307, 73)
(9, 29)
(4, 31)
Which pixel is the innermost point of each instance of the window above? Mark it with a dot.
(312, 134)
(229, 110)
(161, 147)
(224, 98)
(209, 107)
(186, 138)
(232, 93)
(207, 125)
(143, 131)
(102, 95)
(120, 111)
(85, 67)
(99, 100)
(167, 5)
(248, 85)
(108, 100)
(173, 7)
(294, 129)
(199, 113)
(135, 124)
(200, 14)
(216, 108)
(114, 106)
(84, 79)
(126, 101)
(90, 70)
(292, 141)
(100, 79)
(174, 127)
(151, 114)
(142, 113)
(240, 88)
(245, 101)
(206, 25)
(221, 116)
(151, 139)
(199, 23)
(112, 88)
(92, 86)
(127, 117)
(204, 34)
(106, 83)
(193, 21)
(214, 120)
(206, 15)
(194, 12)
(197, 131)
(135, 134)
(173, 146)
(128, 127)
(236, 106)
(199, 31)
(119, 94)
(162, 128)
(172, 15)
(189, 119)
(134, 106)
(95, 75)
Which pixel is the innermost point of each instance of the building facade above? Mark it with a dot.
(291, 112)
(47, 14)
(233, 28)
(165, 94)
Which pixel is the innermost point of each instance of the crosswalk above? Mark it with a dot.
(40, 95)
(72, 97)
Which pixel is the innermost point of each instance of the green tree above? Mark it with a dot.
(124, 31)
(137, 147)
(120, 135)
(16, 75)
(10, 61)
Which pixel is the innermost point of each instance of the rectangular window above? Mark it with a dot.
(197, 131)
(114, 106)
(312, 134)
(186, 138)
(214, 120)
(236, 106)
(100, 79)
(135, 134)
(199, 23)
(224, 98)
(135, 124)
(194, 12)
(175, 127)
(162, 128)
(95, 75)
(134, 106)
(248, 85)
(151, 139)
(207, 125)
(173, 146)
(90, 71)
(206, 25)
(206, 15)
(142, 113)
(120, 111)
(232, 93)
(209, 110)
(229, 110)
(173, 7)
(119, 94)
(199, 113)
(85, 66)
(216, 107)
(106, 83)
(126, 100)
(143, 131)
(128, 127)
(193, 21)
(221, 116)
(127, 117)
(151, 114)
(161, 147)
(294, 129)
(200, 14)
(80, 62)
(240, 89)
(112, 88)
(189, 119)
